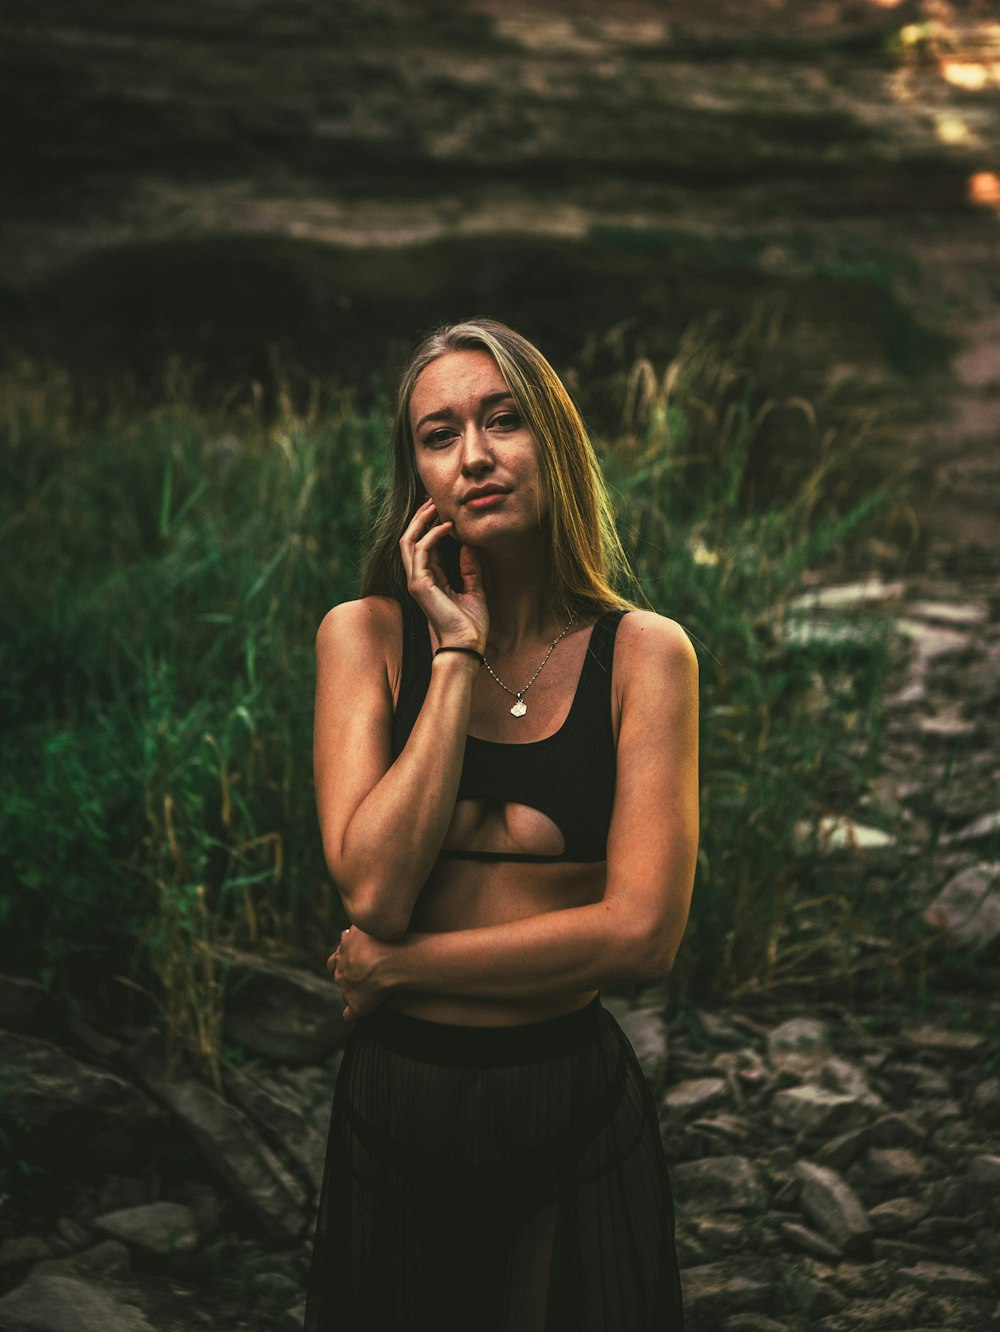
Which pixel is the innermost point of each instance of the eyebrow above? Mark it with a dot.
(447, 413)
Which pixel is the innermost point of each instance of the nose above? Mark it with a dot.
(477, 457)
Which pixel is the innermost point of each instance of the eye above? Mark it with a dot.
(438, 439)
(506, 421)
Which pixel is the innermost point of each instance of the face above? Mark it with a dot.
(474, 455)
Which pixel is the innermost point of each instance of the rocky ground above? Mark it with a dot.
(836, 1162)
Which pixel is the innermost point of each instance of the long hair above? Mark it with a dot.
(588, 562)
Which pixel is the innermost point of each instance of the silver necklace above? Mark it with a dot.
(520, 707)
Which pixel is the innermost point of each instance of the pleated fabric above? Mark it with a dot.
(502, 1179)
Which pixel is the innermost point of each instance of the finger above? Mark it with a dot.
(416, 545)
(442, 528)
(425, 560)
(423, 518)
(470, 569)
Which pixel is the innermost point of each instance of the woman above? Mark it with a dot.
(506, 777)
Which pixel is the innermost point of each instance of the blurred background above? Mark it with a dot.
(235, 183)
(759, 239)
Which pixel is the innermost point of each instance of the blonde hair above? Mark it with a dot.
(588, 562)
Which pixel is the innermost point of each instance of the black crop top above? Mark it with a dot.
(569, 775)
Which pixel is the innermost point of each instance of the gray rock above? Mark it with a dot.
(984, 829)
(894, 1165)
(816, 1112)
(847, 596)
(801, 1237)
(910, 696)
(985, 1100)
(646, 1028)
(833, 1207)
(929, 1083)
(155, 1230)
(292, 1109)
(948, 726)
(965, 613)
(798, 1046)
(281, 1012)
(932, 642)
(245, 1164)
(986, 1169)
(943, 1040)
(66, 1110)
(74, 1235)
(839, 1152)
(57, 1302)
(744, 1071)
(122, 1191)
(836, 833)
(840, 1075)
(717, 1029)
(897, 1130)
(858, 634)
(294, 1319)
(23, 1250)
(873, 1315)
(897, 1215)
(110, 1257)
(719, 1184)
(940, 1111)
(967, 908)
(720, 1232)
(723, 1128)
(943, 1279)
(713, 1290)
(695, 1095)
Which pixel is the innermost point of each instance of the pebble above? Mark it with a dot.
(719, 1184)
(809, 1241)
(833, 1207)
(941, 1277)
(816, 1112)
(894, 1165)
(695, 1096)
(896, 1215)
(156, 1229)
(23, 1250)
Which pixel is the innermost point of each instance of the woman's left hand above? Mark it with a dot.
(354, 966)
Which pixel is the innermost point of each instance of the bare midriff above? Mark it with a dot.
(464, 894)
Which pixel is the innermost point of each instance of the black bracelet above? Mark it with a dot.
(469, 652)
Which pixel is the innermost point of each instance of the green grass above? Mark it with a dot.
(164, 571)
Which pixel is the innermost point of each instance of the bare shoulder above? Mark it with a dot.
(370, 624)
(650, 645)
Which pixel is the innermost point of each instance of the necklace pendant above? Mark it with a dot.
(519, 708)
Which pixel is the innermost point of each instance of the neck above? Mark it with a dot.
(522, 596)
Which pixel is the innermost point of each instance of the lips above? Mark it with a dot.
(482, 496)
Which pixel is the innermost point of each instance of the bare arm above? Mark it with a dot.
(383, 822)
(633, 933)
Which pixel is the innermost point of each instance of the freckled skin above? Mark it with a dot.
(468, 434)
(494, 943)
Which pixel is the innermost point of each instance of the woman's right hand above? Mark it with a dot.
(459, 619)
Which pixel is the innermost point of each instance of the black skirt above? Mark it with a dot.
(501, 1179)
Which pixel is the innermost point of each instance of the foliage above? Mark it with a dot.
(164, 571)
(789, 727)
